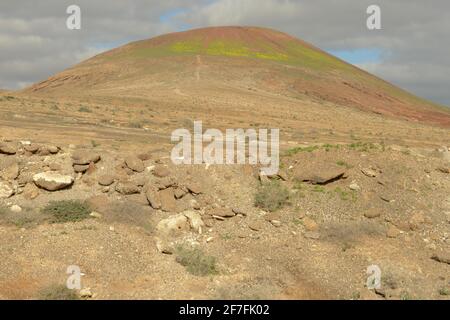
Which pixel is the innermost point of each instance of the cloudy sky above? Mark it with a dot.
(412, 50)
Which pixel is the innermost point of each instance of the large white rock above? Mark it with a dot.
(195, 220)
(6, 190)
(173, 225)
(52, 181)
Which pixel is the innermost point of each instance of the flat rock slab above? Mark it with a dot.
(168, 201)
(127, 188)
(7, 148)
(441, 257)
(83, 157)
(5, 190)
(319, 173)
(222, 212)
(135, 164)
(52, 181)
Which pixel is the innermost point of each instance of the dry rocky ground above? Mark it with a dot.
(141, 228)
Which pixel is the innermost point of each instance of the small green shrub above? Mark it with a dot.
(318, 189)
(57, 292)
(196, 261)
(294, 151)
(135, 125)
(67, 211)
(342, 163)
(84, 109)
(444, 291)
(272, 196)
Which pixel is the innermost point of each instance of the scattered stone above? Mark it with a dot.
(15, 208)
(354, 186)
(79, 168)
(276, 223)
(441, 257)
(416, 221)
(53, 149)
(145, 156)
(91, 168)
(386, 198)
(256, 225)
(195, 221)
(271, 216)
(180, 193)
(55, 166)
(168, 202)
(444, 169)
(166, 182)
(164, 246)
(43, 151)
(161, 171)
(30, 191)
(7, 148)
(52, 181)
(322, 174)
(32, 148)
(85, 157)
(194, 188)
(24, 178)
(153, 198)
(222, 212)
(393, 232)
(310, 224)
(11, 172)
(369, 172)
(95, 214)
(314, 235)
(127, 188)
(173, 225)
(372, 213)
(85, 293)
(135, 164)
(238, 211)
(140, 180)
(106, 180)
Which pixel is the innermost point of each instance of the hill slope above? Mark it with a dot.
(241, 58)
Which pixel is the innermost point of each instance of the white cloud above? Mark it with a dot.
(34, 42)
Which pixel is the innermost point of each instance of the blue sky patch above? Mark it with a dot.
(358, 56)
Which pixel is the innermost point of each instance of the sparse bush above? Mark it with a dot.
(67, 211)
(196, 261)
(294, 151)
(444, 291)
(345, 195)
(136, 125)
(94, 144)
(362, 146)
(342, 163)
(272, 196)
(84, 109)
(318, 189)
(57, 292)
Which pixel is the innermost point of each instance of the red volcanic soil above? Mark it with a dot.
(306, 71)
